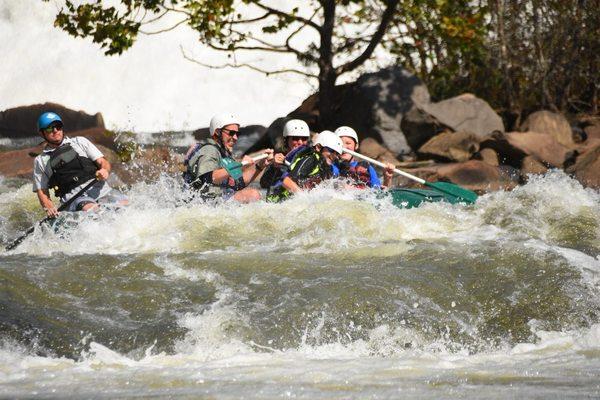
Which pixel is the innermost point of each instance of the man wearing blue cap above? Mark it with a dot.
(67, 165)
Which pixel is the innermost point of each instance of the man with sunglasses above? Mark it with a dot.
(212, 170)
(67, 165)
(295, 135)
(310, 166)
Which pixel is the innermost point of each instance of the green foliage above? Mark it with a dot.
(519, 56)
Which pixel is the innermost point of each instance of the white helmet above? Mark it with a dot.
(296, 127)
(331, 140)
(348, 132)
(221, 120)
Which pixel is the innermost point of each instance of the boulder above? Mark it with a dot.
(373, 105)
(372, 148)
(450, 146)
(592, 131)
(587, 167)
(551, 123)
(513, 147)
(473, 174)
(478, 176)
(530, 165)
(21, 122)
(465, 113)
(488, 156)
(18, 163)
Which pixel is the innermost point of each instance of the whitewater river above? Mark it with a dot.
(323, 297)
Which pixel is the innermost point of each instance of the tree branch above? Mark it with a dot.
(246, 65)
(375, 40)
(165, 29)
(287, 15)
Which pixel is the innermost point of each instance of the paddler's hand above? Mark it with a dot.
(388, 172)
(247, 160)
(265, 161)
(279, 159)
(51, 211)
(102, 174)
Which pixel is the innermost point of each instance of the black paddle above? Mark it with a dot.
(62, 207)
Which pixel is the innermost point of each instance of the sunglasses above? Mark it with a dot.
(230, 132)
(51, 128)
(304, 139)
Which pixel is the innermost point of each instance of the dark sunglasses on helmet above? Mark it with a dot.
(303, 138)
(52, 127)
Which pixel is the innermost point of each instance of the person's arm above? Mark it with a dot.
(252, 169)
(290, 185)
(388, 174)
(103, 168)
(44, 199)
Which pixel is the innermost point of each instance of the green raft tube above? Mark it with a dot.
(409, 198)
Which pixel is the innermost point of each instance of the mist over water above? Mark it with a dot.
(149, 88)
(331, 294)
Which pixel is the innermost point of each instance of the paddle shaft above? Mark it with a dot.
(382, 165)
(257, 158)
(62, 207)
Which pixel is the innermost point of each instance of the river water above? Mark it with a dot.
(326, 296)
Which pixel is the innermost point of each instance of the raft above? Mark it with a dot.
(409, 198)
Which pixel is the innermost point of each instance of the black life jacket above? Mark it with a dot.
(190, 162)
(307, 178)
(69, 169)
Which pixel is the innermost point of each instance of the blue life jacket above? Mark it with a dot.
(361, 173)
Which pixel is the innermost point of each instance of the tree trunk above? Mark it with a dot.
(327, 74)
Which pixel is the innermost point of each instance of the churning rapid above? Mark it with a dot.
(329, 295)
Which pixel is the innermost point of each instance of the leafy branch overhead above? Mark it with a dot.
(517, 55)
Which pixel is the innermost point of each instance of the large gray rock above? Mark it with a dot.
(373, 105)
(21, 122)
(464, 113)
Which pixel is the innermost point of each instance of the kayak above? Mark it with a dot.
(409, 198)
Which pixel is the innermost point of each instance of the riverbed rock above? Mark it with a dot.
(592, 131)
(21, 122)
(478, 176)
(531, 165)
(18, 163)
(587, 166)
(373, 105)
(373, 149)
(475, 175)
(513, 147)
(488, 156)
(465, 113)
(551, 123)
(450, 146)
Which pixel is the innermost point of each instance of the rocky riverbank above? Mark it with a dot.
(461, 139)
